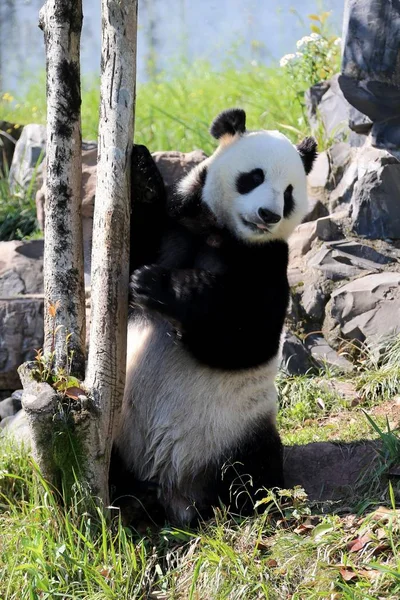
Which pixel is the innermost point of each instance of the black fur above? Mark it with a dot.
(253, 465)
(230, 315)
(148, 214)
(226, 299)
(308, 152)
(246, 182)
(189, 210)
(229, 122)
(288, 206)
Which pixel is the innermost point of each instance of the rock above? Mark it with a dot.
(340, 155)
(367, 309)
(175, 165)
(295, 358)
(323, 354)
(370, 66)
(363, 252)
(9, 407)
(358, 122)
(343, 192)
(9, 135)
(313, 97)
(29, 152)
(17, 395)
(342, 260)
(301, 241)
(317, 209)
(21, 331)
(327, 470)
(18, 428)
(374, 202)
(21, 268)
(331, 107)
(315, 296)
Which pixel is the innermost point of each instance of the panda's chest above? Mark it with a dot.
(192, 413)
(210, 255)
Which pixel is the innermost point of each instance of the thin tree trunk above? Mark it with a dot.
(105, 378)
(61, 21)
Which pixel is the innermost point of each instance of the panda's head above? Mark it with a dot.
(255, 182)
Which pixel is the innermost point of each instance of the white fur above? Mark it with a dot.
(282, 166)
(178, 416)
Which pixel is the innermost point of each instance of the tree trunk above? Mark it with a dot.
(72, 431)
(105, 378)
(61, 21)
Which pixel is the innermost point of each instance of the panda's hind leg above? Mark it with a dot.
(253, 466)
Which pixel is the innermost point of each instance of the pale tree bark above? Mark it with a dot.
(61, 21)
(110, 269)
(72, 433)
(50, 414)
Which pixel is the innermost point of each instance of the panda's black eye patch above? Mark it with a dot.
(288, 202)
(246, 182)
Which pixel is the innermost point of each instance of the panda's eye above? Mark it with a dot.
(246, 182)
(288, 202)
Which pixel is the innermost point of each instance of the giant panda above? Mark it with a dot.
(198, 420)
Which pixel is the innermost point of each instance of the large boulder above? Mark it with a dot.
(295, 358)
(21, 306)
(345, 259)
(174, 165)
(366, 309)
(323, 354)
(21, 331)
(28, 155)
(21, 268)
(370, 66)
(375, 198)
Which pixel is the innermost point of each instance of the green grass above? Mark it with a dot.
(171, 114)
(295, 550)
(17, 211)
(175, 114)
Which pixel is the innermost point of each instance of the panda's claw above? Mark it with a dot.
(148, 286)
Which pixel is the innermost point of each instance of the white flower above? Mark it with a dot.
(285, 59)
(304, 40)
(299, 55)
(315, 36)
(337, 42)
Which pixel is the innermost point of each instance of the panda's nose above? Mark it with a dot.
(268, 217)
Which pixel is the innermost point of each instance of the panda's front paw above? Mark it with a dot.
(149, 287)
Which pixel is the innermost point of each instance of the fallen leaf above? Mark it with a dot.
(263, 545)
(105, 572)
(303, 528)
(348, 575)
(351, 573)
(74, 392)
(359, 543)
(271, 563)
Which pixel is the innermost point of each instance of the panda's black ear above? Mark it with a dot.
(229, 122)
(308, 152)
